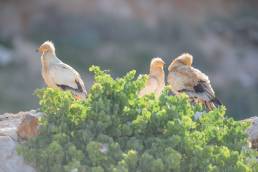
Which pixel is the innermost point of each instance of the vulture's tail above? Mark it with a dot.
(215, 102)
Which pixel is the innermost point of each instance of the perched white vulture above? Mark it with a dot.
(57, 74)
(183, 77)
(156, 81)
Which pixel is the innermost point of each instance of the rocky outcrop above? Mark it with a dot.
(9, 160)
(253, 132)
(14, 127)
(28, 127)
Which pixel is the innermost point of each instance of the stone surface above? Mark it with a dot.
(252, 131)
(27, 123)
(28, 127)
(9, 160)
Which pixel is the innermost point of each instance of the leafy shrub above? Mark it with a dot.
(116, 131)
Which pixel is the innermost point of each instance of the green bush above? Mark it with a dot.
(116, 131)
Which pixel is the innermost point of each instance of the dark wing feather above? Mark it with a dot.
(202, 87)
(79, 88)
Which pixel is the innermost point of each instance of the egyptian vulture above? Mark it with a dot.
(57, 74)
(183, 77)
(156, 78)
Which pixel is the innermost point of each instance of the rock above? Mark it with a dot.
(12, 127)
(22, 124)
(9, 160)
(198, 115)
(28, 127)
(252, 131)
(103, 148)
(9, 123)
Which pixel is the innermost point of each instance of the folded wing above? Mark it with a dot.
(194, 83)
(66, 78)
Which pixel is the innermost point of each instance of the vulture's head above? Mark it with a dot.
(184, 59)
(46, 47)
(157, 63)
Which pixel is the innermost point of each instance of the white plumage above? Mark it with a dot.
(183, 77)
(57, 74)
(156, 81)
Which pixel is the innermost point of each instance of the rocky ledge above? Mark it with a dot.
(252, 132)
(14, 128)
(23, 125)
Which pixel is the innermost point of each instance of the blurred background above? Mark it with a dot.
(121, 35)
